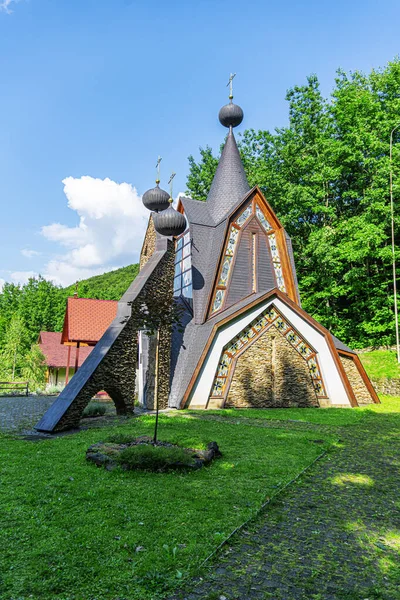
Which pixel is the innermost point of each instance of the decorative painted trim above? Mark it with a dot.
(251, 209)
(270, 317)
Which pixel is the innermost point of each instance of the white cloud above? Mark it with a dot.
(5, 5)
(112, 222)
(22, 277)
(29, 253)
(2, 282)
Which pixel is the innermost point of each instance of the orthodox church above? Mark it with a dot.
(243, 338)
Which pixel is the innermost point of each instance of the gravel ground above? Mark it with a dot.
(21, 413)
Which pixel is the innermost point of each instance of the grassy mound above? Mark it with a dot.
(155, 458)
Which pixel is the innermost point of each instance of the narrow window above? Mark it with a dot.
(254, 262)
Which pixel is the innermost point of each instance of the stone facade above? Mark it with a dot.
(356, 381)
(116, 373)
(149, 244)
(164, 359)
(271, 373)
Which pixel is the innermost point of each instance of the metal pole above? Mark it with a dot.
(393, 245)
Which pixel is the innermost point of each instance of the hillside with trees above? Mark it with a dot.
(326, 176)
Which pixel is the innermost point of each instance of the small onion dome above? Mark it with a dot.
(230, 115)
(156, 199)
(169, 222)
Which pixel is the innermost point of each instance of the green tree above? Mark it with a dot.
(41, 304)
(14, 349)
(34, 367)
(201, 174)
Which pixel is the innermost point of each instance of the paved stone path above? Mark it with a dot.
(334, 535)
(19, 414)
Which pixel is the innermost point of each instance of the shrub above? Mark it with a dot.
(94, 409)
(154, 458)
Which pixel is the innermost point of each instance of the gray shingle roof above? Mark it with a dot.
(207, 245)
(197, 211)
(229, 184)
(340, 346)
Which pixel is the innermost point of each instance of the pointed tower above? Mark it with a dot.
(230, 184)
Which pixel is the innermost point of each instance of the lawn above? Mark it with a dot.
(72, 531)
(381, 364)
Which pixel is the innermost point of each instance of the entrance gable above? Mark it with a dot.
(270, 320)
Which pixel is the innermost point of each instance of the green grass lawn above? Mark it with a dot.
(71, 531)
(381, 364)
(74, 531)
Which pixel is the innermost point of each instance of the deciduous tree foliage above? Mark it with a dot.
(40, 305)
(327, 177)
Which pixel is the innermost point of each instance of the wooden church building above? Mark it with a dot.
(243, 338)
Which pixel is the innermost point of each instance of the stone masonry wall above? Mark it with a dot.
(149, 244)
(356, 381)
(390, 387)
(270, 373)
(116, 373)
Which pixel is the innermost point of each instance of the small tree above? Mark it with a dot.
(14, 348)
(152, 315)
(34, 369)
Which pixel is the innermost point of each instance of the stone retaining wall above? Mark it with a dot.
(389, 387)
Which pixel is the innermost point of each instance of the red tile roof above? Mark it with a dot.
(56, 353)
(86, 319)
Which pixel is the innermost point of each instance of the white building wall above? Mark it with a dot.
(331, 377)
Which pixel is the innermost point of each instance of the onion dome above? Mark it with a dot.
(169, 222)
(230, 115)
(156, 199)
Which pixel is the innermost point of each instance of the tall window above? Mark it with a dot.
(183, 268)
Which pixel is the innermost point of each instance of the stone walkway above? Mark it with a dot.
(21, 413)
(334, 535)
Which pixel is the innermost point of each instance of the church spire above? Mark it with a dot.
(229, 185)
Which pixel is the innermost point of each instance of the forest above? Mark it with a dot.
(326, 175)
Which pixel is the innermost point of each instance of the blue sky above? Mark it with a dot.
(91, 91)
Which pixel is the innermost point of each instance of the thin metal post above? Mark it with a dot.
(393, 244)
(156, 387)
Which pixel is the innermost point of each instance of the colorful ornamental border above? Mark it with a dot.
(270, 317)
(227, 262)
